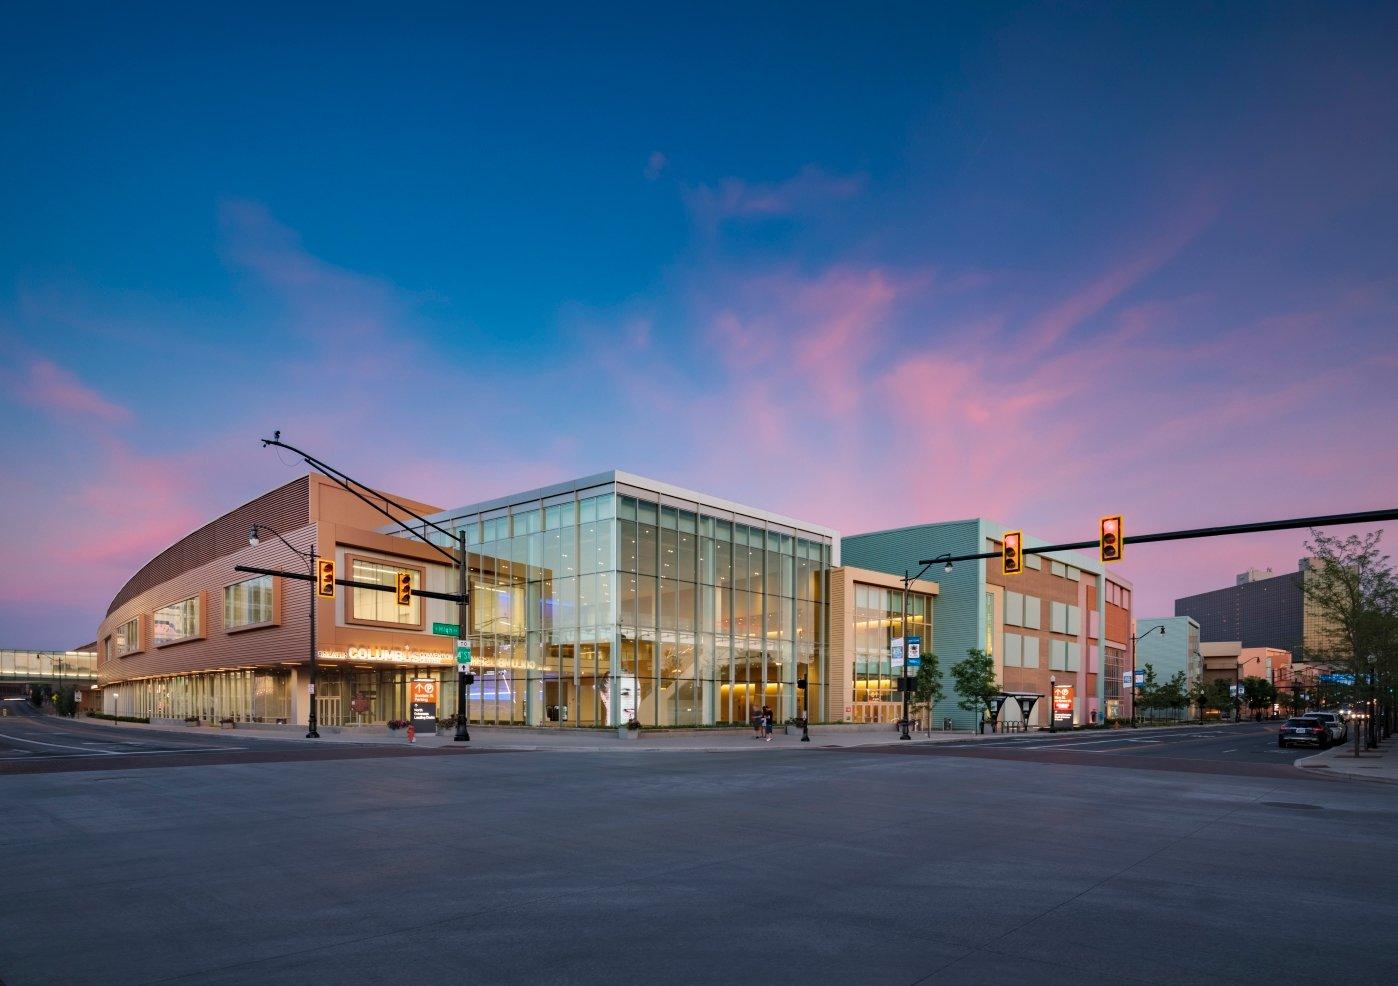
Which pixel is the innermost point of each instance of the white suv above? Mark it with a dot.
(1339, 731)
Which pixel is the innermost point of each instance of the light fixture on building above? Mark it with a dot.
(949, 567)
(253, 539)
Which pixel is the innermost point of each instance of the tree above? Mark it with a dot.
(928, 691)
(1147, 694)
(1258, 692)
(1217, 694)
(1352, 589)
(1174, 694)
(973, 679)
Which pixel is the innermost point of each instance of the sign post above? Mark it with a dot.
(1062, 707)
(422, 704)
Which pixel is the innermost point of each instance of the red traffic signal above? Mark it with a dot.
(325, 578)
(1012, 552)
(1112, 538)
(405, 588)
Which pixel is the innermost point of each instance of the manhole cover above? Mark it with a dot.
(1292, 804)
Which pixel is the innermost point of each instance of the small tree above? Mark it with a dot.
(974, 682)
(928, 691)
(1174, 694)
(1147, 695)
(1217, 696)
(1258, 692)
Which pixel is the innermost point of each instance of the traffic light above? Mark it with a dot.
(1111, 542)
(1012, 552)
(405, 588)
(325, 578)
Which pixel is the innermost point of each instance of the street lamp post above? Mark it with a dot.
(907, 680)
(1134, 641)
(1372, 742)
(1053, 698)
(310, 559)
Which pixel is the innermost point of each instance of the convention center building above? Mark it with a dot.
(592, 603)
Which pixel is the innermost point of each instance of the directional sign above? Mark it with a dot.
(447, 629)
(463, 652)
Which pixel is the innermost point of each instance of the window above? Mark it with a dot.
(1058, 617)
(1033, 612)
(1058, 655)
(1058, 568)
(1074, 656)
(374, 606)
(176, 622)
(1014, 650)
(1034, 562)
(1074, 620)
(248, 603)
(1014, 608)
(126, 639)
(1031, 652)
(1074, 575)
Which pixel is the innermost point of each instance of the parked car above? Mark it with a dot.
(1304, 729)
(1339, 729)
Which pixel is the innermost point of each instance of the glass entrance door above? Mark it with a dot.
(328, 710)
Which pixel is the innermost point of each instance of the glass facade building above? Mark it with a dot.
(616, 597)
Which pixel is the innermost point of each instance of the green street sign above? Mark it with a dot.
(446, 629)
(463, 652)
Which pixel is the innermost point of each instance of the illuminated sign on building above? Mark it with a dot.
(387, 655)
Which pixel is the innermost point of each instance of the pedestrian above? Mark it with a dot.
(757, 724)
(767, 722)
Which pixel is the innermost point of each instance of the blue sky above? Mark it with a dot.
(874, 266)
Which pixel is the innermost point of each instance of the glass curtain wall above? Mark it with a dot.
(878, 619)
(602, 607)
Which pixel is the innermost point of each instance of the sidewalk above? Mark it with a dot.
(1371, 765)
(528, 739)
(535, 739)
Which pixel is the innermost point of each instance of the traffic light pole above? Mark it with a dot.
(463, 732)
(310, 557)
(906, 681)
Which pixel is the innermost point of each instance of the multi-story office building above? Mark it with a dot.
(1260, 611)
(21, 668)
(1063, 620)
(1169, 653)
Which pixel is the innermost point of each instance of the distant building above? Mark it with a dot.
(1254, 575)
(1222, 661)
(1270, 663)
(1169, 653)
(1261, 610)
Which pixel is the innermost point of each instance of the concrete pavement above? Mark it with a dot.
(1371, 765)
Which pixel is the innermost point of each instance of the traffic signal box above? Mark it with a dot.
(1111, 541)
(405, 588)
(325, 578)
(1012, 552)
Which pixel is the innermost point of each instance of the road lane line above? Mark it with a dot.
(61, 746)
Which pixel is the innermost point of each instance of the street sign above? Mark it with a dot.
(914, 651)
(1140, 677)
(422, 704)
(463, 652)
(447, 629)
(914, 662)
(895, 652)
(1126, 679)
(1063, 706)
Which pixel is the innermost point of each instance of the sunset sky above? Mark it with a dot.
(866, 265)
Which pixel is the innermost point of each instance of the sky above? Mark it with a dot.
(866, 265)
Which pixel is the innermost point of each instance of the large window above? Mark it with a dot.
(126, 639)
(248, 604)
(374, 606)
(176, 622)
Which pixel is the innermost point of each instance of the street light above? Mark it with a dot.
(1135, 640)
(907, 679)
(1372, 741)
(1053, 700)
(310, 559)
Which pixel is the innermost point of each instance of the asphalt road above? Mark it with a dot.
(779, 864)
(31, 742)
(1245, 749)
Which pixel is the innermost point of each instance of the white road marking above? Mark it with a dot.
(118, 753)
(126, 753)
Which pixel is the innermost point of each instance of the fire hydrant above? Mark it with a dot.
(412, 734)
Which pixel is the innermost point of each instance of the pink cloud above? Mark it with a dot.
(49, 387)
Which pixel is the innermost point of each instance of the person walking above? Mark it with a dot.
(757, 724)
(767, 722)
